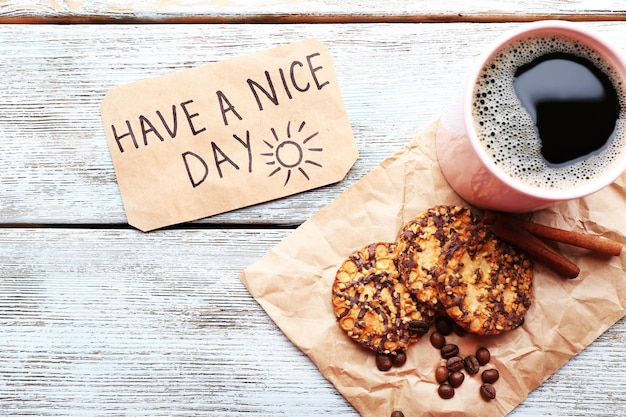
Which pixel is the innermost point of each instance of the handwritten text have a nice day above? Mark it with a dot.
(299, 77)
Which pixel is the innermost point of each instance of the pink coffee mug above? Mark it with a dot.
(472, 172)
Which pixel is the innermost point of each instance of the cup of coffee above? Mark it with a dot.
(541, 119)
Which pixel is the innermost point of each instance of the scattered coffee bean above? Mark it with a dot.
(446, 391)
(418, 327)
(483, 356)
(449, 350)
(397, 414)
(459, 330)
(437, 340)
(487, 391)
(471, 365)
(451, 376)
(455, 363)
(383, 362)
(444, 325)
(398, 359)
(456, 379)
(490, 376)
(441, 374)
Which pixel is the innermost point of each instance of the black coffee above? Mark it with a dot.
(542, 127)
(572, 103)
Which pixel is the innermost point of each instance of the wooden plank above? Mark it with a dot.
(56, 77)
(160, 331)
(396, 80)
(116, 322)
(282, 11)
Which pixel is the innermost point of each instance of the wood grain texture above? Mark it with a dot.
(100, 323)
(395, 80)
(299, 11)
(97, 319)
(116, 322)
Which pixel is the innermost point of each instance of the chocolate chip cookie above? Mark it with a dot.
(420, 243)
(486, 286)
(373, 306)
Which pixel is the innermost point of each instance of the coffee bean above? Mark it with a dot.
(418, 327)
(449, 350)
(437, 340)
(459, 330)
(483, 356)
(455, 363)
(445, 391)
(456, 379)
(490, 376)
(383, 362)
(397, 414)
(450, 376)
(487, 391)
(441, 374)
(398, 359)
(444, 325)
(471, 365)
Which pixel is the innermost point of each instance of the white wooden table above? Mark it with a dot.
(97, 318)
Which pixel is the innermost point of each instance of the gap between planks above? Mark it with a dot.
(126, 226)
(308, 18)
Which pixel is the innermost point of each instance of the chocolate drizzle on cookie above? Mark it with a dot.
(372, 305)
(444, 263)
(421, 243)
(486, 284)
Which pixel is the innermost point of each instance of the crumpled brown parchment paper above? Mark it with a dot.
(292, 282)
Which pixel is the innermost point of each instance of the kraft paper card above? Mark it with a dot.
(226, 135)
(292, 282)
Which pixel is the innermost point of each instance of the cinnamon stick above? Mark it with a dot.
(535, 247)
(581, 240)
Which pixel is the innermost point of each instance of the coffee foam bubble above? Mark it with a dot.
(507, 132)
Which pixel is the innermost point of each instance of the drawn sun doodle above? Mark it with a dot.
(291, 153)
